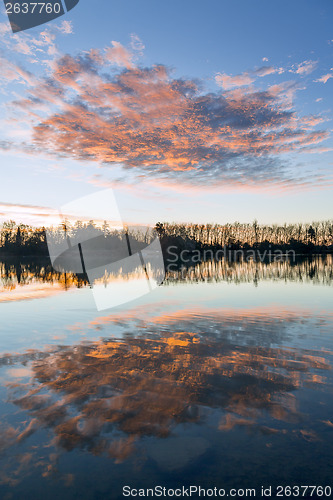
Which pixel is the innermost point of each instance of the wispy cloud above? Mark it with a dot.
(324, 78)
(66, 27)
(137, 44)
(28, 214)
(28, 45)
(304, 68)
(13, 72)
(267, 70)
(119, 55)
(228, 82)
(35, 215)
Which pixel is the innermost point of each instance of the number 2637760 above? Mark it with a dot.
(33, 8)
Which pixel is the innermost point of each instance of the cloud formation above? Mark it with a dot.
(13, 72)
(28, 214)
(100, 106)
(324, 78)
(305, 68)
(228, 82)
(29, 45)
(119, 55)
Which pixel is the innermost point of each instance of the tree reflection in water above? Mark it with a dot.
(316, 269)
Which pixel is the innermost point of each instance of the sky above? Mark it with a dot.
(215, 111)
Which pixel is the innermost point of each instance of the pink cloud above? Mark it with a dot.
(28, 214)
(325, 78)
(119, 55)
(228, 82)
(267, 70)
(11, 72)
(305, 68)
(66, 27)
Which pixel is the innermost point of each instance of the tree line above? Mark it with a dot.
(17, 239)
(301, 237)
(315, 237)
(22, 239)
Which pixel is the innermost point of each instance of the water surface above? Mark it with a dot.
(220, 377)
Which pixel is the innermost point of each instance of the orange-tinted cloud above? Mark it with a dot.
(99, 106)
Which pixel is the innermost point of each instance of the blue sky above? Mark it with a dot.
(205, 112)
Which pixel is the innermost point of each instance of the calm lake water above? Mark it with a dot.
(221, 377)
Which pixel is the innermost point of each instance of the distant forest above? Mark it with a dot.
(317, 237)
